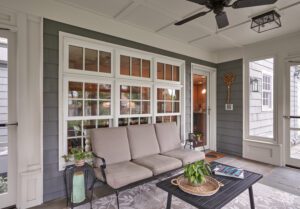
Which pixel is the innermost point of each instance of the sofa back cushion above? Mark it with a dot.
(168, 136)
(142, 140)
(111, 144)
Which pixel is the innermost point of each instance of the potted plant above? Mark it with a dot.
(196, 172)
(78, 156)
(198, 136)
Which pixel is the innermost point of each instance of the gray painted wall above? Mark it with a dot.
(230, 123)
(53, 179)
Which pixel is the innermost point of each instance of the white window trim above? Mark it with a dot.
(132, 54)
(89, 45)
(65, 99)
(163, 86)
(246, 106)
(115, 79)
(212, 97)
(170, 62)
(132, 83)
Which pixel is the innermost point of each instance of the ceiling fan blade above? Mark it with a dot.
(188, 19)
(202, 2)
(251, 3)
(222, 20)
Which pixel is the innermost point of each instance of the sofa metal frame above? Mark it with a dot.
(132, 185)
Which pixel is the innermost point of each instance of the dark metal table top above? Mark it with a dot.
(232, 188)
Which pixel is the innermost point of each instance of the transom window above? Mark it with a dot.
(167, 72)
(86, 59)
(136, 67)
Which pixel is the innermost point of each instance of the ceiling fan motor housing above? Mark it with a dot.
(217, 5)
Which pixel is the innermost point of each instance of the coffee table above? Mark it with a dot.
(232, 188)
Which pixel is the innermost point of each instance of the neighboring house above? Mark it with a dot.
(261, 105)
(3, 108)
(295, 103)
(261, 96)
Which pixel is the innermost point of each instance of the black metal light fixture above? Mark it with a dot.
(267, 21)
(254, 85)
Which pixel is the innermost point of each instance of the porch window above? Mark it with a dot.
(168, 105)
(260, 104)
(89, 106)
(135, 105)
(106, 85)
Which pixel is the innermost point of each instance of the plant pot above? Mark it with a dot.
(79, 163)
(193, 184)
(198, 138)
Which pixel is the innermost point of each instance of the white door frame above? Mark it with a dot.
(212, 101)
(288, 160)
(10, 198)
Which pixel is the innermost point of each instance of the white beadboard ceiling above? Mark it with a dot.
(159, 16)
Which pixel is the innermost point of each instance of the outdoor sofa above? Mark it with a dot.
(128, 156)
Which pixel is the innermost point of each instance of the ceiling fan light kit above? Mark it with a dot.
(267, 21)
(217, 6)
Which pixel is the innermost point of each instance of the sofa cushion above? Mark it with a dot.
(111, 144)
(168, 136)
(186, 156)
(159, 163)
(124, 173)
(142, 141)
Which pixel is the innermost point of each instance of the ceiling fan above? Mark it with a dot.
(217, 6)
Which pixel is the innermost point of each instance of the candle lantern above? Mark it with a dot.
(79, 184)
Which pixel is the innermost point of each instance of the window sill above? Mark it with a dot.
(267, 142)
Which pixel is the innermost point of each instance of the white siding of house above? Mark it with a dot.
(3, 105)
(261, 122)
(294, 104)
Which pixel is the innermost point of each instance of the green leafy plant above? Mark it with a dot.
(196, 172)
(198, 136)
(77, 154)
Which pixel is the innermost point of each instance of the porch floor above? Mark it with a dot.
(265, 169)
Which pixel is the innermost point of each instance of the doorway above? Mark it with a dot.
(293, 116)
(8, 125)
(203, 113)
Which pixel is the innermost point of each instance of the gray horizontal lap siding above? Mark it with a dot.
(230, 123)
(53, 179)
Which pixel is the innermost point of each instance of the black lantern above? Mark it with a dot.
(255, 85)
(266, 21)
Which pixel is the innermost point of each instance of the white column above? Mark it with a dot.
(29, 108)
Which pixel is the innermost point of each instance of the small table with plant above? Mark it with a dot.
(79, 178)
(220, 190)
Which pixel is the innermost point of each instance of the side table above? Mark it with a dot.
(79, 184)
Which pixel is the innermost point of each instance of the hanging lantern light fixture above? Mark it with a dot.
(267, 21)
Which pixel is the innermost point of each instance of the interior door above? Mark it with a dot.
(201, 106)
(8, 126)
(293, 116)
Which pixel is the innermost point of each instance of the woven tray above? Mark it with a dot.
(210, 187)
